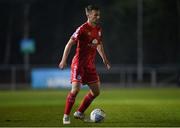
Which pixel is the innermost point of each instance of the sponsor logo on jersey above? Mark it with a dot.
(95, 41)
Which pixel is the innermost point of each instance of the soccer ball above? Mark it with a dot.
(97, 115)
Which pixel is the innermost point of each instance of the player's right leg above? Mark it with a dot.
(70, 100)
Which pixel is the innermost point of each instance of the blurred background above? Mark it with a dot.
(141, 39)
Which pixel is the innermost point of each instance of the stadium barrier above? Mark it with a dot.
(50, 78)
(15, 77)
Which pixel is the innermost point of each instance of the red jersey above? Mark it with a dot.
(87, 38)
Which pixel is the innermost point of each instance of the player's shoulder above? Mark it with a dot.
(98, 27)
(87, 26)
(84, 26)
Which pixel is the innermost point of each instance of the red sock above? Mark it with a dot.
(86, 102)
(69, 103)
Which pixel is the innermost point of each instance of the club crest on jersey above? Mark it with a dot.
(89, 33)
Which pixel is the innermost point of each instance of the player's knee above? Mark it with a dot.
(95, 94)
(75, 88)
(75, 91)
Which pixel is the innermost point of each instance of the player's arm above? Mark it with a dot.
(67, 50)
(101, 52)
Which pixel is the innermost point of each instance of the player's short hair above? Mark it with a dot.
(89, 8)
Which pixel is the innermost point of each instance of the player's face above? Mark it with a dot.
(94, 16)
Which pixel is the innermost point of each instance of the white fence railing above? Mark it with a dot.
(159, 76)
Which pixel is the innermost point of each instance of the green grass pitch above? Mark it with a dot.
(139, 107)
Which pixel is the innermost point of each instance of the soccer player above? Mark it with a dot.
(88, 38)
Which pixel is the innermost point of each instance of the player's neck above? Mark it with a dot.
(92, 24)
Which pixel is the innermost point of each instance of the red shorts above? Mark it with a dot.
(84, 75)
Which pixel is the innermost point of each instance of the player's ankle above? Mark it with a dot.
(79, 115)
(66, 115)
(66, 119)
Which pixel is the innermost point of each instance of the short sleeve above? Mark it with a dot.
(76, 35)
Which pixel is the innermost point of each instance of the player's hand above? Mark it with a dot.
(107, 64)
(62, 65)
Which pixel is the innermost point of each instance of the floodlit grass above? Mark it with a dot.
(124, 107)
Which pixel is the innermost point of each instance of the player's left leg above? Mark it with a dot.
(88, 98)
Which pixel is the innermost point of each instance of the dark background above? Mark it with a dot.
(52, 22)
